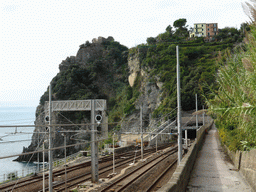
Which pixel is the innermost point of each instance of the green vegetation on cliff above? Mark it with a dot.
(102, 76)
(233, 104)
(104, 73)
(197, 61)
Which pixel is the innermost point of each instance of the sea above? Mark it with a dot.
(12, 140)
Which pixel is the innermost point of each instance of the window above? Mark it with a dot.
(215, 25)
(215, 33)
(202, 29)
(208, 34)
(202, 33)
(208, 29)
(196, 30)
(208, 25)
(214, 29)
(202, 25)
(196, 26)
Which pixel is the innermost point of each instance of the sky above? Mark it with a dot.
(36, 35)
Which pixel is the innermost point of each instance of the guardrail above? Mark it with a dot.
(34, 169)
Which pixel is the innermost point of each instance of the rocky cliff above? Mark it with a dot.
(97, 71)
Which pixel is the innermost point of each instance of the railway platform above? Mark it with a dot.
(214, 171)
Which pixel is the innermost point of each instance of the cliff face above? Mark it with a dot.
(150, 90)
(97, 71)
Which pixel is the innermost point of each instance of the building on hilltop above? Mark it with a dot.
(199, 30)
(206, 30)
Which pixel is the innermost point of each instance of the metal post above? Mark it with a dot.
(156, 143)
(196, 113)
(114, 153)
(38, 153)
(203, 114)
(179, 109)
(186, 138)
(43, 171)
(94, 147)
(169, 135)
(50, 139)
(149, 139)
(65, 143)
(141, 123)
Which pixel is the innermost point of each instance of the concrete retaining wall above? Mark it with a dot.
(248, 167)
(245, 162)
(180, 178)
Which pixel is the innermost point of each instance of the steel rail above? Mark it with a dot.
(153, 184)
(56, 173)
(104, 169)
(172, 151)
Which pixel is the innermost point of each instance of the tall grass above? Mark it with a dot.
(234, 103)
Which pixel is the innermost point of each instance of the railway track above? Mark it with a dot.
(123, 182)
(19, 184)
(74, 181)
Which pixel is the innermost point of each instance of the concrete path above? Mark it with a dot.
(213, 169)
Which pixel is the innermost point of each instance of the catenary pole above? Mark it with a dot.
(156, 142)
(196, 113)
(179, 109)
(38, 167)
(65, 141)
(141, 123)
(50, 139)
(203, 114)
(114, 153)
(43, 171)
(94, 147)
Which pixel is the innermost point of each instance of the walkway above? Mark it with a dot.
(213, 169)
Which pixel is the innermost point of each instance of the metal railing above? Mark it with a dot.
(34, 169)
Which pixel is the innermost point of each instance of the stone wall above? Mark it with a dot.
(248, 167)
(244, 161)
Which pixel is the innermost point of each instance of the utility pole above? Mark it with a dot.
(186, 138)
(114, 153)
(38, 167)
(94, 146)
(156, 143)
(203, 114)
(141, 123)
(196, 113)
(65, 153)
(179, 109)
(43, 171)
(65, 144)
(50, 139)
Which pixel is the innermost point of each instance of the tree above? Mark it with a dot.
(151, 40)
(180, 23)
(181, 28)
(169, 29)
(244, 27)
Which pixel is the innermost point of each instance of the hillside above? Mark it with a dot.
(144, 75)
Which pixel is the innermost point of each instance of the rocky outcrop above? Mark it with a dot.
(87, 52)
(134, 68)
(150, 95)
(91, 72)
